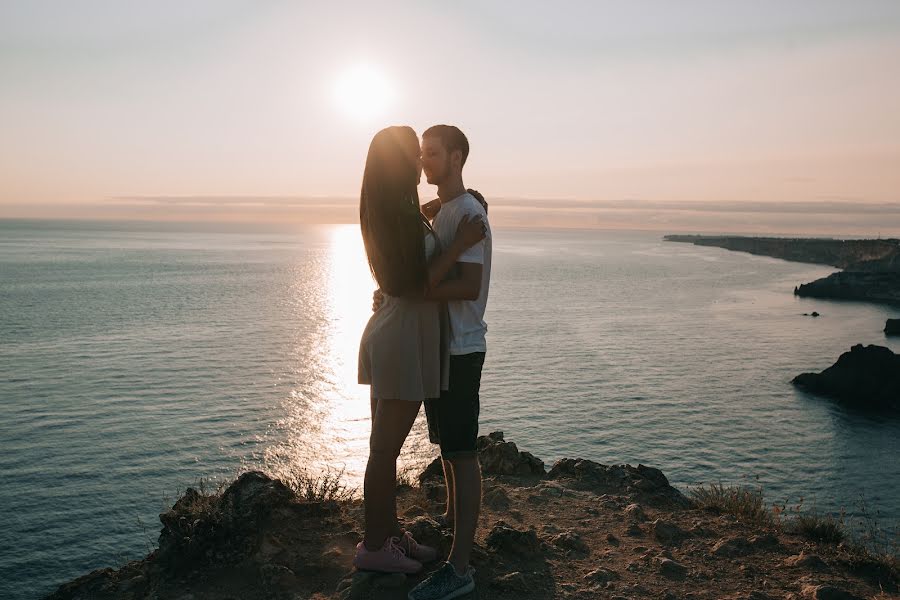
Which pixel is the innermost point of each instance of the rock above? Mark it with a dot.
(867, 376)
(514, 581)
(426, 530)
(601, 575)
(200, 528)
(634, 530)
(882, 287)
(766, 541)
(570, 541)
(667, 533)
(612, 540)
(807, 561)
(504, 539)
(732, 547)
(499, 457)
(759, 595)
(635, 513)
(434, 471)
(646, 483)
(827, 592)
(276, 578)
(496, 499)
(670, 569)
(892, 327)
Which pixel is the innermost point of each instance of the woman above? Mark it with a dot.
(403, 352)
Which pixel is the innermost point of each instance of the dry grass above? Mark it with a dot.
(743, 503)
(325, 487)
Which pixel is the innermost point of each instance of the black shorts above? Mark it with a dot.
(453, 418)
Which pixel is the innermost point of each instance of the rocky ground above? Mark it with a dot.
(582, 530)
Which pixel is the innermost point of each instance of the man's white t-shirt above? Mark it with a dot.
(467, 326)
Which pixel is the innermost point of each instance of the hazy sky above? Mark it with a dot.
(715, 101)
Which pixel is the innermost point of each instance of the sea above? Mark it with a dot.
(139, 359)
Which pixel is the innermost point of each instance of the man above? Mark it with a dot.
(453, 418)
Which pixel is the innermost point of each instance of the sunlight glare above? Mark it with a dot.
(363, 92)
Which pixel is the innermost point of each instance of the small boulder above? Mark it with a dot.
(667, 533)
(635, 513)
(499, 457)
(807, 561)
(601, 575)
(514, 581)
(671, 569)
(570, 541)
(732, 547)
(827, 592)
(496, 499)
(504, 539)
(426, 530)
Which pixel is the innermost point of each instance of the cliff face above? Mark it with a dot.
(872, 267)
(864, 377)
(883, 288)
(581, 531)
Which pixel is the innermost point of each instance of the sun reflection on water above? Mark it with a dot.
(326, 420)
(346, 420)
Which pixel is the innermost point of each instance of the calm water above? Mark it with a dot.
(133, 363)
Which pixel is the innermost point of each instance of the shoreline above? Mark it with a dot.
(870, 268)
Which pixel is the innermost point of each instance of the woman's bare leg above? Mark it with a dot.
(391, 422)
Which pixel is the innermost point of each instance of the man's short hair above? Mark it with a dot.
(451, 138)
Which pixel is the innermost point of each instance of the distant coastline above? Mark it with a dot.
(871, 266)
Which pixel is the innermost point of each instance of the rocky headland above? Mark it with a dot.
(581, 530)
(864, 377)
(871, 268)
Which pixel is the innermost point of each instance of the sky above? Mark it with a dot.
(256, 111)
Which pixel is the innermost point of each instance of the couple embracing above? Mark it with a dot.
(425, 343)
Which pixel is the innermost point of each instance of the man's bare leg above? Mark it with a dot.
(450, 512)
(467, 494)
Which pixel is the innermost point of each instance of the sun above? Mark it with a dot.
(363, 92)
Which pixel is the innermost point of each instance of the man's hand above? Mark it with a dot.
(377, 299)
(431, 209)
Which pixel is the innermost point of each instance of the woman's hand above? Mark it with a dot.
(469, 233)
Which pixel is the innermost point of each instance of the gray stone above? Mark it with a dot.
(667, 533)
(671, 569)
(732, 547)
(569, 540)
(635, 513)
(601, 575)
(496, 499)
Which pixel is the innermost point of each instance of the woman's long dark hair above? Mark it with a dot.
(389, 213)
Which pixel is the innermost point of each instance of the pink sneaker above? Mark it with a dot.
(414, 549)
(390, 558)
